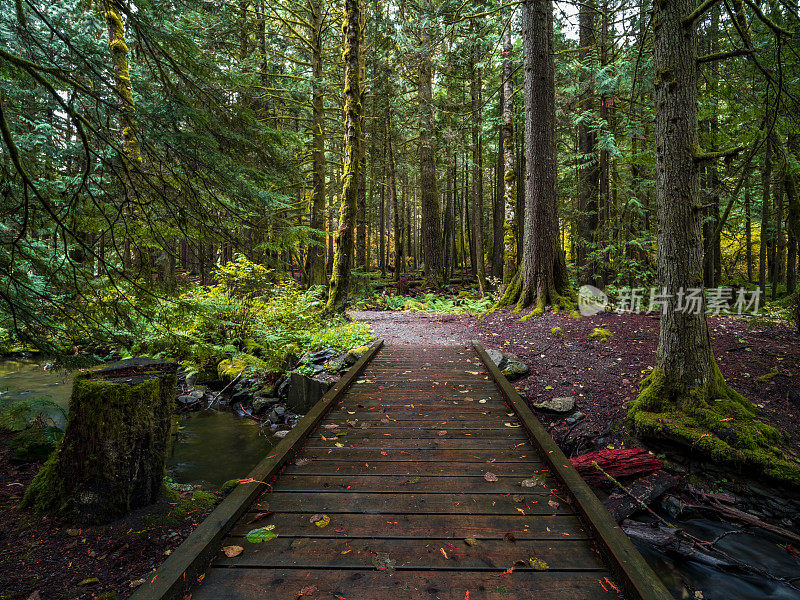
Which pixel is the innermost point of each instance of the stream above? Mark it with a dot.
(212, 447)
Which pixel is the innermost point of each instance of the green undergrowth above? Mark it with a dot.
(253, 317)
(716, 422)
(464, 302)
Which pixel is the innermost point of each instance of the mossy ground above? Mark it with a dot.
(715, 421)
(182, 508)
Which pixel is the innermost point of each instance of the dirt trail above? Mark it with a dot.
(418, 328)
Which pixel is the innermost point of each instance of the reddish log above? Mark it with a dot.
(626, 462)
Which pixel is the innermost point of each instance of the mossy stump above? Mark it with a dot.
(112, 457)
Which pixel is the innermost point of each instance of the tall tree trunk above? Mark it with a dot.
(315, 258)
(399, 259)
(509, 173)
(476, 84)
(685, 376)
(429, 196)
(542, 278)
(361, 213)
(766, 178)
(748, 229)
(587, 141)
(343, 260)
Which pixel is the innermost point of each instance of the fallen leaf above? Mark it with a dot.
(512, 424)
(509, 537)
(553, 504)
(471, 541)
(537, 564)
(442, 432)
(323, 521)
(504, 573)
(443, 553)
(231, 551)
(489, 476)
(383, 562)
(518, 498)
(532, 481)
(261, 534)
(309, 590)
(258, 517)
(89, 581)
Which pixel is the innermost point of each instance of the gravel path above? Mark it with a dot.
(418, 328)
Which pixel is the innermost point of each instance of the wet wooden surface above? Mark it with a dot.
(432, 490)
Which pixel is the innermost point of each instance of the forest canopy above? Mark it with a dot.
(144, 144)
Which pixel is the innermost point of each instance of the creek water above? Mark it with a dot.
(212, 447)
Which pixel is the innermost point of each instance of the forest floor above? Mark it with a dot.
(603, 376)
(42, 559)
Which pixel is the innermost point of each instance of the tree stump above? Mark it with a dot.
(112, 457)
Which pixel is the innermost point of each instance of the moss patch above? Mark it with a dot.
(715, 421)
(183, 508)
(601, 334)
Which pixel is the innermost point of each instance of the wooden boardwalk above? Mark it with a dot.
(436, 486)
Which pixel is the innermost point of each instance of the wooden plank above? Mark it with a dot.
(411, 554)
(429, 454)
(416, 433)
(243, 584)
(173, 577)
(447, 527)
(418, 503)
(421, 481)
(532, 468)
(411, 444)
(629, 567)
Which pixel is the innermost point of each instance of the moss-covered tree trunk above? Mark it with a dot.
(542, 276)
(685, 398)
(345, 240)
(111, 459)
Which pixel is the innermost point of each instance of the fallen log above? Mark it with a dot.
(626, 462)
(640, 493)
(669, 543)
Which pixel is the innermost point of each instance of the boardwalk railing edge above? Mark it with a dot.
(625, 561)
(181, 569)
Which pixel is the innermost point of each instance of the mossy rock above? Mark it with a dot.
(229, 486)
(601, 334)
(111, 459)
(230, 368)
(34, 444)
